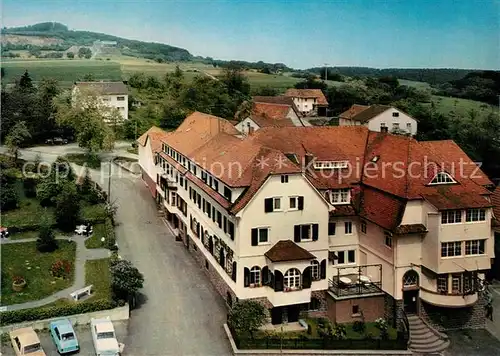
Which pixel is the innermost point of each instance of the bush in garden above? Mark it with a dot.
(339, 331)
(382, 325)
(46, 241)
(61, 269)
(359, 327)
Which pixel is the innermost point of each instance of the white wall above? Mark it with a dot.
(305, 104)
(146, 159)
(113, 102)
(387, 118)
(243, 125)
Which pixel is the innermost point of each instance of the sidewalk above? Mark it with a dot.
(83, 254)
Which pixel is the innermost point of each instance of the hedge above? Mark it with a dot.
(40, 313)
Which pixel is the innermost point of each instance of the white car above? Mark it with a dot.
(104, 338)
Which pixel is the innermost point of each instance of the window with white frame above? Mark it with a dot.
(456, 283)
(263, 235)
(120, 98)
(345, 257)
(451, 249)
(292, 279)
(395, 125)
(315, 270)
(408, 126)
(348, 227)
(293, 203)
(284, 178)
(388, 239)
(442, 178)
(276, 204)
(451, 217)
(395, 114)
(472, 215)
(340, 196)
(330, 164)
(475, 247)
(255, 275)
(442, 284)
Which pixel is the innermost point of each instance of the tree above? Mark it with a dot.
(88, 116)
(89, 77)
(126, 279)
(8, 196)
(265, 91)
(16, 137)
(247, 316)
(3, 72)
(235, 80)
(84, 52)
(67, 207)
(25, 82)
(46, 241)
(70, 55)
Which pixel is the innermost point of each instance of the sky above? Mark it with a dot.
(301, 34)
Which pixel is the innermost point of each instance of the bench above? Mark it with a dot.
(81, 293)
(303, 323)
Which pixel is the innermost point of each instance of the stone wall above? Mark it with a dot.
(322, 311)
(370, 308)
(443, 319)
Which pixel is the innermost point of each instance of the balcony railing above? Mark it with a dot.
(346, 284)
(341, 289)
(449, 300)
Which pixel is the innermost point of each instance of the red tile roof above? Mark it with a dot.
(155, 135)
(353, 111)
(280, 99)
(495, 199)
(381, 208)
(287, 250)
(308, 93)
(271, 115)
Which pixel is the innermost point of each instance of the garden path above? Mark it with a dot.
(83, 254)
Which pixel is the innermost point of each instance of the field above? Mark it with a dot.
(63, 70)
(461, 107)
(411, 83)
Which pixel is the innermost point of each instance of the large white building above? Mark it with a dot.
(111, 94)
(334, 221)
(380, 118)
(310, 102)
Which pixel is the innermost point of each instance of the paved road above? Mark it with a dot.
(181, 314)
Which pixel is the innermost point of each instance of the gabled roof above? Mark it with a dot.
(155, 135)
(353, 111)
(287, 250)
(308, 93)
(495, 199)
(369, 113)
(107, 88)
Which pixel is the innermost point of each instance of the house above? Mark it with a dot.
(340, 222)
(381, 118)
(310, 102)
(149, 144)
(112, 94)
(270, 111)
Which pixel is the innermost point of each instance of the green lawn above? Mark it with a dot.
(29, 213)
(415, 84)
(64, 70)
(461, 107)
(98, 274)
(94, 212)
(95, 240)
(83, 159)
(23, 259)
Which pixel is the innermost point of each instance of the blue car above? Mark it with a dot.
(64, 336)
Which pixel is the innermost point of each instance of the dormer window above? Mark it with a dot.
(330, 164)
(341, 196)
(442, 178)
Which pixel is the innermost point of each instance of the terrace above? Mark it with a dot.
(363, 280)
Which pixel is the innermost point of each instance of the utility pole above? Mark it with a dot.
(326, 72)
(136, 129)
(109, 182)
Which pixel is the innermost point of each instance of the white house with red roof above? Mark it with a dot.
(309, 101)
(111, 94)
(333, 221)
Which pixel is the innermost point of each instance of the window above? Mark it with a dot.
(293, 203)
(341, 257)
(292, 279)
(331, 228)
(442, 284)
(355, 309)
(395, 125)
(276, 204)
(475, 215)
(451, 217)
(260, 236)
(388, 240)
(395, 114)
(120, 98)
(231, 230)
(330, 164)
(219, 219)
(456, 283)
(121, 108)
(255, 276)
(408, 126)
(227, 193)
(348, 227)
(351, 256)
(284, 178)
(216, 185)
(475, 247)
(340, 196)
(314, 304)
(451, 249)
(315, 270)
(363, 227)
(306, 232)
(442, 178)
(382, 126)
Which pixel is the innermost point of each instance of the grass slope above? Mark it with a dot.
(461, 107)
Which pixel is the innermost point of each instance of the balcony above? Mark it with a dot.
(366, 282)
(166, 183)
(448, 300)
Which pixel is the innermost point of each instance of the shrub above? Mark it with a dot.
(110, 235)
(247, 316)
(29, 185)
(61, 269)
(18, 316)
(359, 327)
(8, 198)
(339, 331)
(67, 207)
(46, 241)
(381, 324)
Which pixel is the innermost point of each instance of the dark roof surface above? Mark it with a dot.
(105, 87)
(287, 250)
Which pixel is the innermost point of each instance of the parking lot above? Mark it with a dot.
(83, 335)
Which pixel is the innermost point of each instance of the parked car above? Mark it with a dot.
(64, 336)
(56, 141)
(104, 338)
(25, 341)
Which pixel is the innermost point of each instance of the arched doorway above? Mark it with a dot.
(410, 291)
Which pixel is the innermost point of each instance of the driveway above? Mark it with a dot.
(180, 311)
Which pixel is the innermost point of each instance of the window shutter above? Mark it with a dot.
(246, 278)
(306, 278)
(268, 205)
(322, 269)
(296, 233)
(231, 230)
(278, 281)
(265, 276)
(315, 232)
(271, 279)
(301, 203)
(255, 237)
(233, 272)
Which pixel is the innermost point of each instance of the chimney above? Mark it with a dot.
(308, 159)
(250, 130)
